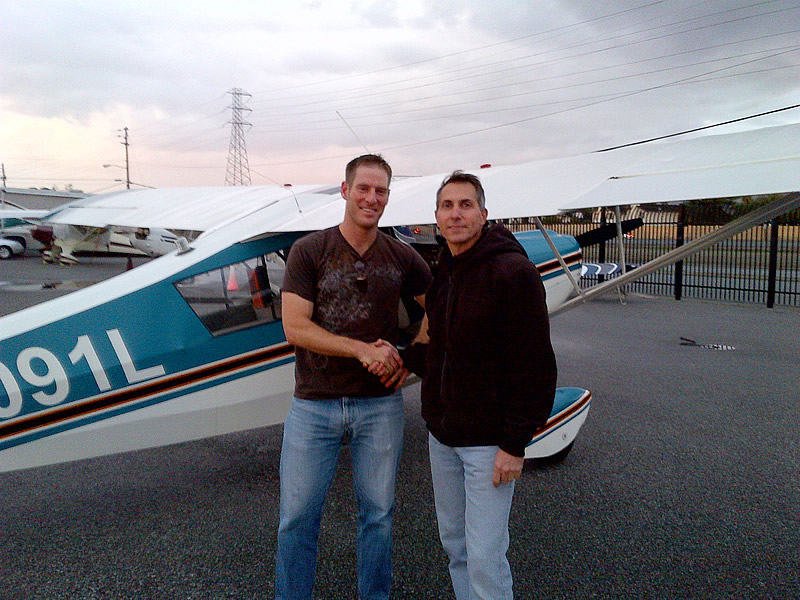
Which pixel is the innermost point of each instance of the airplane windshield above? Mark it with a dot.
(238, 295)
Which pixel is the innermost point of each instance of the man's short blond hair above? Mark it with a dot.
(366, 160)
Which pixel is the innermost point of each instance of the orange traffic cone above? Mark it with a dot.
(233, 285)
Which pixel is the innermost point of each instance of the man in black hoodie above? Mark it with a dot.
(489, 376)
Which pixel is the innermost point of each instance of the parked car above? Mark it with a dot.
(21, 231)
(9, 248)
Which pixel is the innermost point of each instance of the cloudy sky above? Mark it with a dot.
(432, 84)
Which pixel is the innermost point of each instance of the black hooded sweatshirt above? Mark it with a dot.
(489, 372)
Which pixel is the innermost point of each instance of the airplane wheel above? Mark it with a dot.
(549, 461)
(5, 252)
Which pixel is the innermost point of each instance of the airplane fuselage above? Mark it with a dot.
(181, 348)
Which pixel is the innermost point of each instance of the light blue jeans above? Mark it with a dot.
(473, 519)
(312, 437)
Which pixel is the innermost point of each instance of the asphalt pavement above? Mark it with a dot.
(683, 483)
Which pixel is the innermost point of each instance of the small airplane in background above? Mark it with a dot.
(191, 345)
(63, 242)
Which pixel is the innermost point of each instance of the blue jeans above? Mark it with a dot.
(312, 437)
(473, 519)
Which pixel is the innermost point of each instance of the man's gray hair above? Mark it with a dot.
(461, 177)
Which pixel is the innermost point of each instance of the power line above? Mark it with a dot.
(472, 50)
(617, 97)
(352, 101)
(299, 126)
(670, 135)
(360, 93)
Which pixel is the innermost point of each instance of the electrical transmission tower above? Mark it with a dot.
(238, 171)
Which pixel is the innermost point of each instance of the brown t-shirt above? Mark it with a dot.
(353, 296)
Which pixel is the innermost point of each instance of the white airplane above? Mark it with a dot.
(65, 241)
(191, 345)
(60, 242)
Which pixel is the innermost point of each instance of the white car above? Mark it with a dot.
(20, 230)
(9, 248)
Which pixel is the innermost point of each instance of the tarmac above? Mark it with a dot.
(683, 483)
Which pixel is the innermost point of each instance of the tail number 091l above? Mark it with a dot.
(55, 375)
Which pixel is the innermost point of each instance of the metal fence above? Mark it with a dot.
(760, 265)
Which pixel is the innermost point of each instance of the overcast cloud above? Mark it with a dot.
(433, 84)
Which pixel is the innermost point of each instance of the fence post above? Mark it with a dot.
(773, 263)
(601, 251)
(679, 239)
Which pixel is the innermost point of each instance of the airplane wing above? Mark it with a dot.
(759, 161)
(535, 188)
(531, 189)
(196, 208)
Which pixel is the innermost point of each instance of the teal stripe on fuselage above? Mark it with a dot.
(540, 253)
(139, 401)
(158, 328)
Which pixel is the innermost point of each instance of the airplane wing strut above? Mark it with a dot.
(560, 258)
(619, 240)
(743, 223)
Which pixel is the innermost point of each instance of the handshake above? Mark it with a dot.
(382, 359)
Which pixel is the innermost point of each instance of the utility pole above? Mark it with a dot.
(3, 194)
(238, 171)
(127, 164)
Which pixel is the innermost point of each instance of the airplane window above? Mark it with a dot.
(236, 296)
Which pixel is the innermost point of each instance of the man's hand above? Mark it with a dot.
(507, 467)
(395, 380)
(391, 379)
(381, 358)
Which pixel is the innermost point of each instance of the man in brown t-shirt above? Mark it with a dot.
(341, 293)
